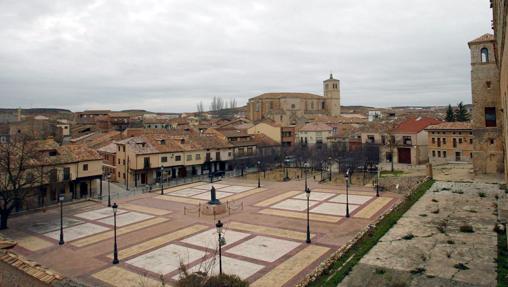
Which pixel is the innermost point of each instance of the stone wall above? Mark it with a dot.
(325, 266)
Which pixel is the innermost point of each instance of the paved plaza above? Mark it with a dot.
(264, 228)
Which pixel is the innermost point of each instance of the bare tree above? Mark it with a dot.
(232, 104)
(217, 104)
(388, 131)
(200, 107)
(19, 158)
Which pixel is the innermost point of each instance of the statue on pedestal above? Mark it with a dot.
(213, 197)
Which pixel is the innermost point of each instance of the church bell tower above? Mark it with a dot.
(331, 91)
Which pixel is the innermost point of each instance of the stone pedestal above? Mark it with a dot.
(211, 209)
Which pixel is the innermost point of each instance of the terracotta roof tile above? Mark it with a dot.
(451, 126)
(313, 127)
(287, 95)
(29, 267)
(415, 125)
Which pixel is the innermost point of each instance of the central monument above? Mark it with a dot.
(214, 206)
(213, 197)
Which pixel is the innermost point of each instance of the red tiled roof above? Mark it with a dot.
(312, 127)
(415, 125)
(451, 126)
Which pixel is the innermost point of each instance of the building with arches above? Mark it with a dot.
(294, 108)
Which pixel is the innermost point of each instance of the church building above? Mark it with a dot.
(293, 108)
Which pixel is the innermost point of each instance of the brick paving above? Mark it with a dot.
(265, 231)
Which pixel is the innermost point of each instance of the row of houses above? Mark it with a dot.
(421, 140)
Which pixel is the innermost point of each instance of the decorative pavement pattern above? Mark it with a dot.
(325, 205)
(265, 241)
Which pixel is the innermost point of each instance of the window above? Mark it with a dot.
(370, 139)
(491, 141)
(322, 105)
(178, 158)
(198, 156)
(66, 173)
(471, 141)
(433, 140)
(124, 175)
(118, 161)
(292, 106)
(488, 84)
(85, 167)
(189, 157)
(454, 142)
(406, 140)
(444, 140)
(444, 153)
(490, 116)
(164, 159)
(146, 162)
(433, 153)
(484, 55)
(124, 162)
(438, 153)
(438, 142)
(460, 140)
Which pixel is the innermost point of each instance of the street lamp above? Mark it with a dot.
(307, 193)
(109, 190)
(377, 182)
(330, 167)
(61, 198)
(219, 226)
(162, 180)
(347, 192)
(286, 166)
(305, 166)
(115, 248)
(259, 178)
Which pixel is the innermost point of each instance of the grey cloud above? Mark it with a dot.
(169, 55)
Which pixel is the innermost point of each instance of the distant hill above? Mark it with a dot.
(36, 111)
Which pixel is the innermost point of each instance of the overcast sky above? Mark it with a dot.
(166, 56)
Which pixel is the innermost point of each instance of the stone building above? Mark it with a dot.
(292, 108)
(314, 133)
(499, 24)
(450, 142)
(486, 117)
